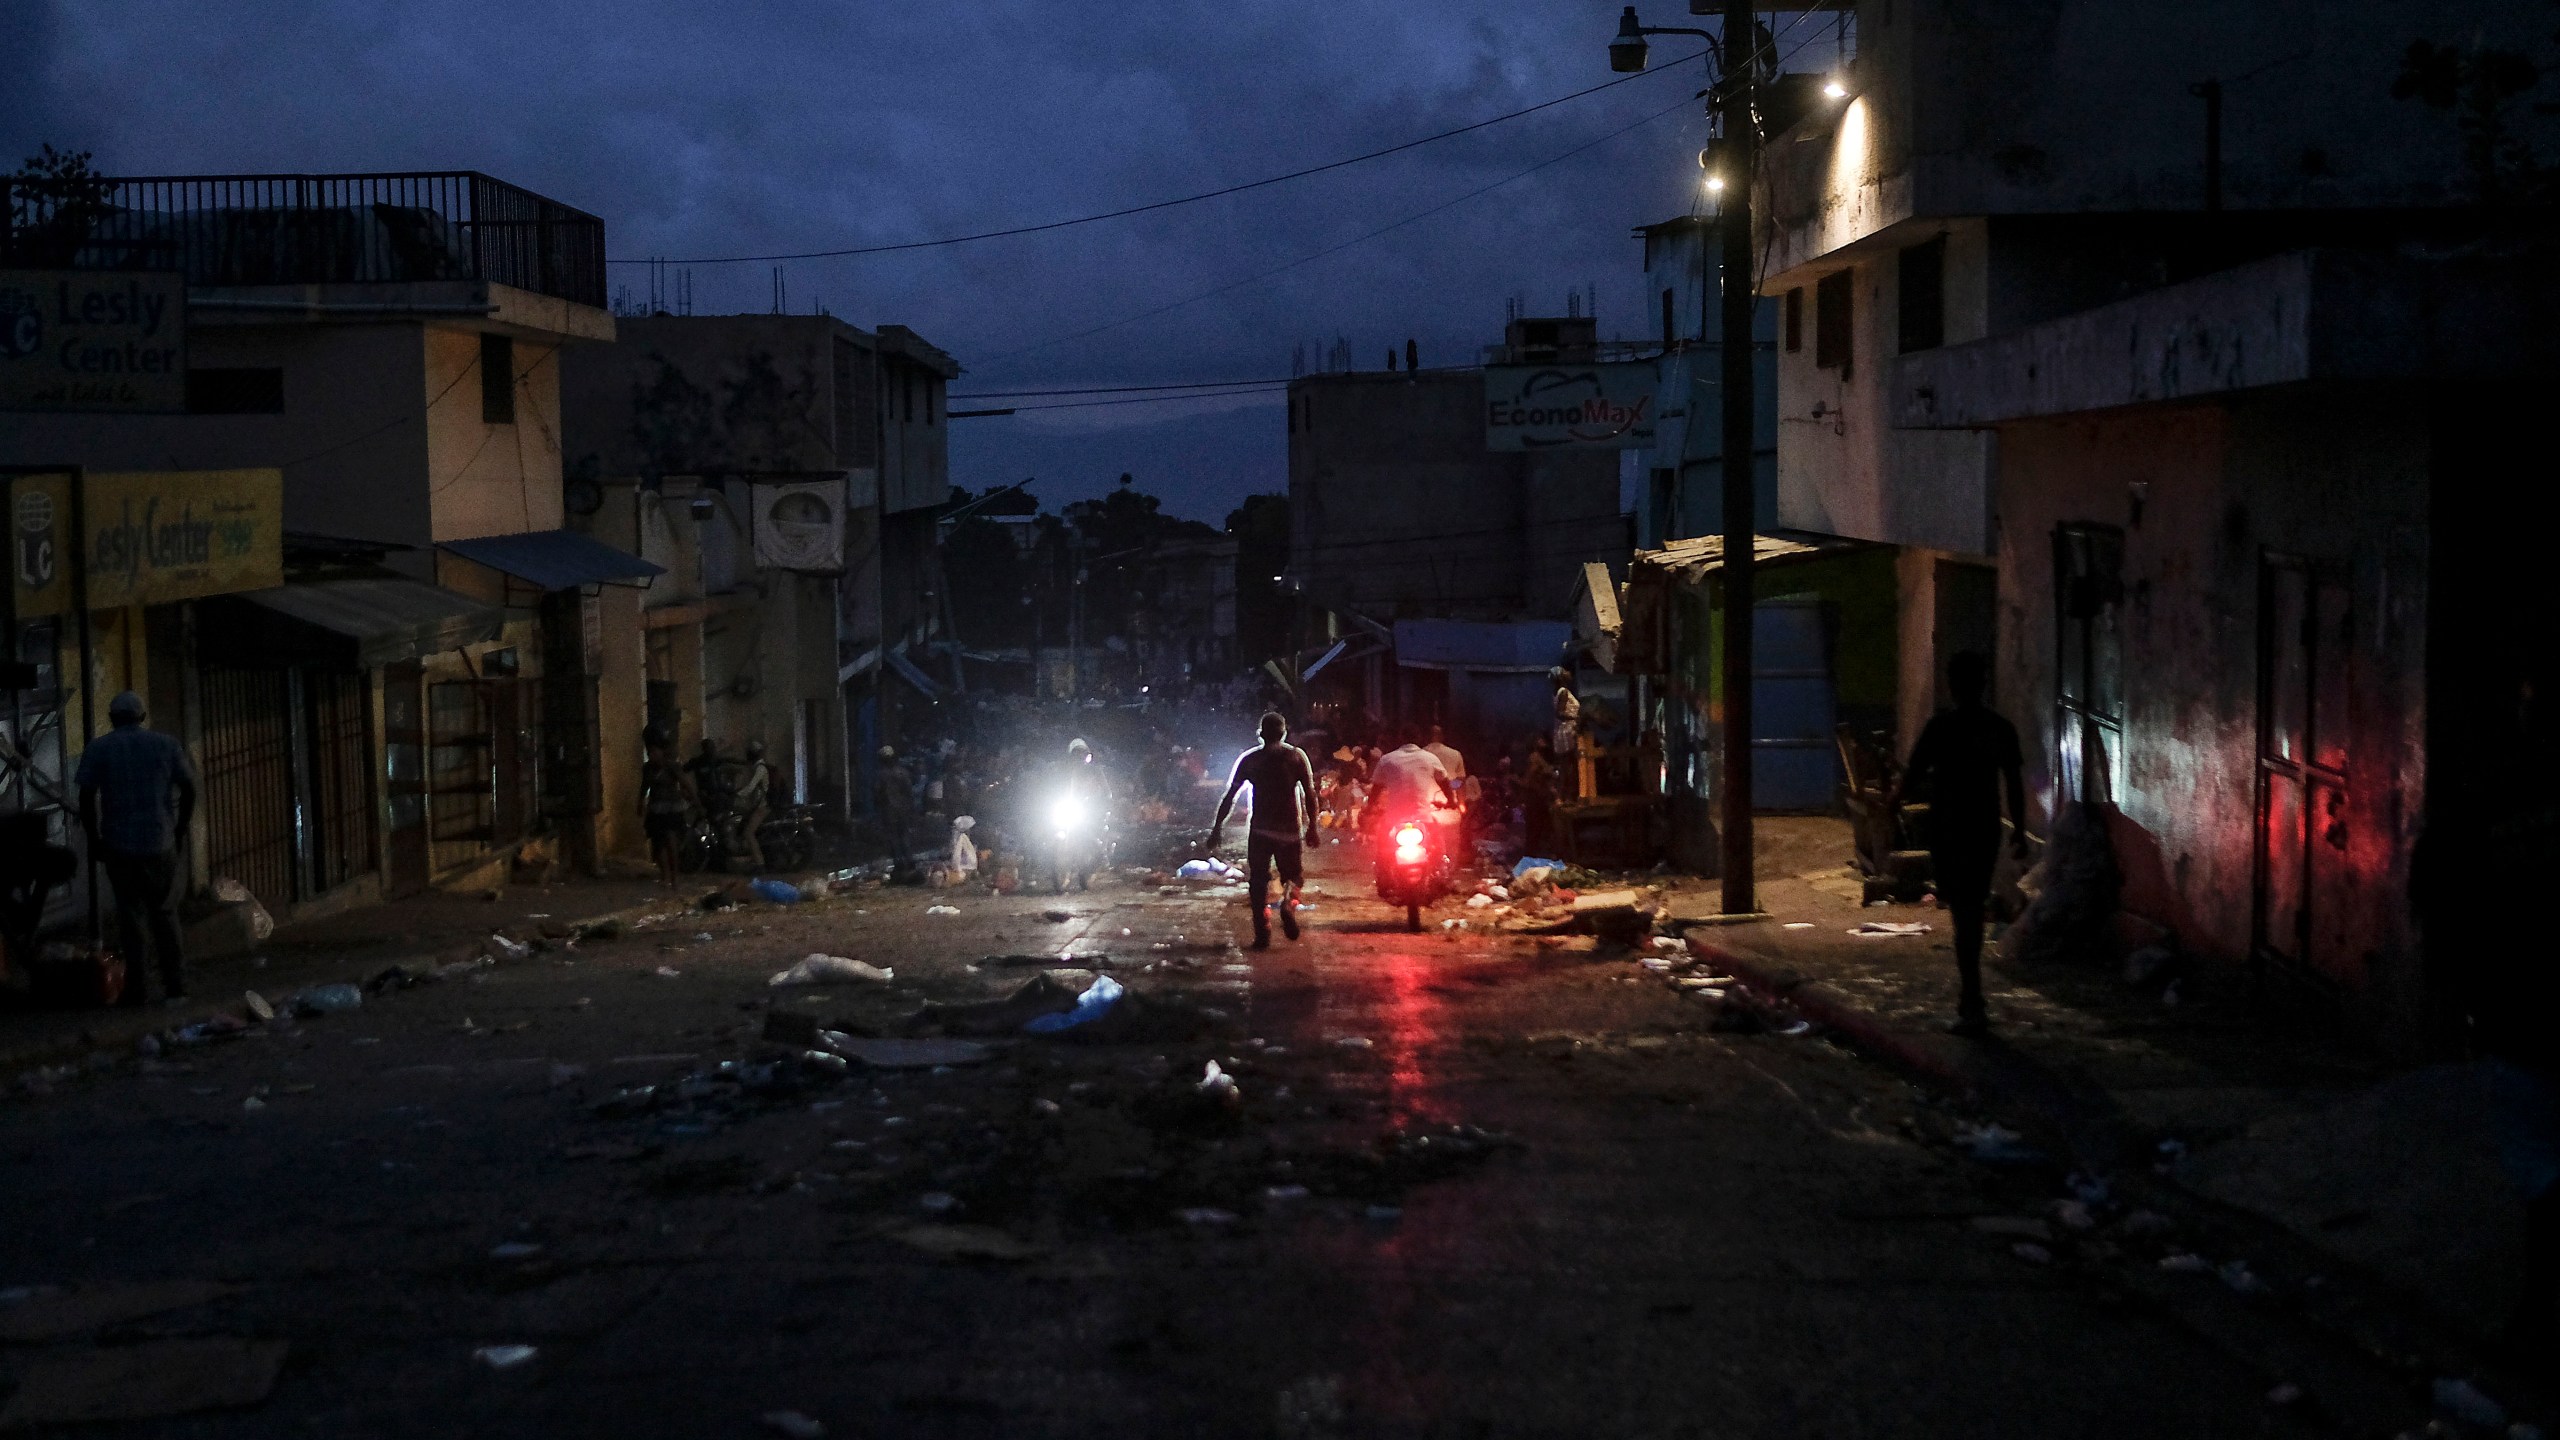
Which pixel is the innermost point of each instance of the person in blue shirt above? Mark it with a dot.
(137, 793)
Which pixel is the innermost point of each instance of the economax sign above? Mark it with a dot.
(93, 340)
(1569, 407)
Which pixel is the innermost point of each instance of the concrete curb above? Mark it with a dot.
(1828, 1006)
(117, 1031)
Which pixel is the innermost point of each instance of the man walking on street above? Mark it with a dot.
(1278, 772)
(137, 794)
(1967, 757)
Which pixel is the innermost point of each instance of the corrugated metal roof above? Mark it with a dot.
(555, 559)
(388, 617)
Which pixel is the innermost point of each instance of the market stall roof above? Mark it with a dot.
(1485, 647)
(1644, 605)
(555, 559)
(368, 619)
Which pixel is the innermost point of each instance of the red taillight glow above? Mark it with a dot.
(1409, 845)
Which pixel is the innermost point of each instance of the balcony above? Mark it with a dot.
(241, 230)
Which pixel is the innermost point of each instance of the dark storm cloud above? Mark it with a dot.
(779, 125)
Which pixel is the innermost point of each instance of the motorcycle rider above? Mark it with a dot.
(1277, 771)
(752, 801)
(1410, 783)
(1082, 782)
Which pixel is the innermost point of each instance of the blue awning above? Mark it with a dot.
(555, 559)
(1516, 647)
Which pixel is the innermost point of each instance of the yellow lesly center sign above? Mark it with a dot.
(149, 537)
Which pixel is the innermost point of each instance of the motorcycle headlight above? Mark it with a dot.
(1067, 813)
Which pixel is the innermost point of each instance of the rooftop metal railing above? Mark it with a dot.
(309, 229)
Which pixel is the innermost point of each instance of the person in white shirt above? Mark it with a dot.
(1410, 781)
(1448, 756)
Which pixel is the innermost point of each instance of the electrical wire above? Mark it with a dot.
(1127, 211)
(1262, 275)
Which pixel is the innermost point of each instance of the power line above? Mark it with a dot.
(1345, 245)
(1152, 206)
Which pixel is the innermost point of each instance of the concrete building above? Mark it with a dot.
(1684, 470)
(2065, 317)
(787, 471)
(415, 703)
(1400, 512)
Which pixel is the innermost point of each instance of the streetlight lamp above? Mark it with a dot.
(1731, 164)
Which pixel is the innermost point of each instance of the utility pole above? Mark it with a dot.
(1740, 151)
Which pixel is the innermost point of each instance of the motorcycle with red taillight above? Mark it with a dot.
(1413, 864)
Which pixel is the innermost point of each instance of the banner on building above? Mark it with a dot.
(150, 537)
(93, 340)
(801, 526)
(39, 520)
(1570, 407)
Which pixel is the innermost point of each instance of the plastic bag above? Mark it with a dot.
(832, 970)
(329, 999)
(775, 891)
(1093, 1004)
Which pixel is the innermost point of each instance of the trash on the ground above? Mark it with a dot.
(1354, 1042)
(2185, 1263)
(1798, 925)
(1278, 1193)
(36, 1315)
(2287, 1393)
(938, 1202)
(1793, 1027)
(1995, 1145)
(942, 909)
(1040, 995)
(258, 1007)
(904, 1054)
(833, 970)
(964, 1242)
(145, 1381)
(515, 1250)
(506, 949)
(2032, 1253)
(2074, 1215)
(1479, 902)
(668, 972)
(209, 1030)
(1092, 1005)
(1891, 927)
(1220, 1087)
(1527, 863)
(504, 1357)
(2463, 1401)
(329, 999)
(2243, 1281)
(253, 1103)
(1199, 870)
(775, 892)
(1205, 1215)
(793, 1425)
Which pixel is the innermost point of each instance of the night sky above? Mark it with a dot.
(761, 126)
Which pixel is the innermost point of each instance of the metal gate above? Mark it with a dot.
(1795, 755)
(340, 814)
(249, 782)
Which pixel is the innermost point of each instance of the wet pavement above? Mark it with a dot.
(1473, 1186)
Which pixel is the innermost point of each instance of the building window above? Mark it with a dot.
(257, 390)
(1795, 320)
(497, 379)
(1923, 302)
(1834, 324)
(1670, 318)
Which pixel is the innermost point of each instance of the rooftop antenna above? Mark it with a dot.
(779, 305)
(684, 291)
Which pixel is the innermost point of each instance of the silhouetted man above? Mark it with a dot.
(1277, 771)
(1966, 758)
(137, 794)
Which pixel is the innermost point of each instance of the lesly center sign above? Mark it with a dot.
(150, 537)
(93, 340)
(1569, 407)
